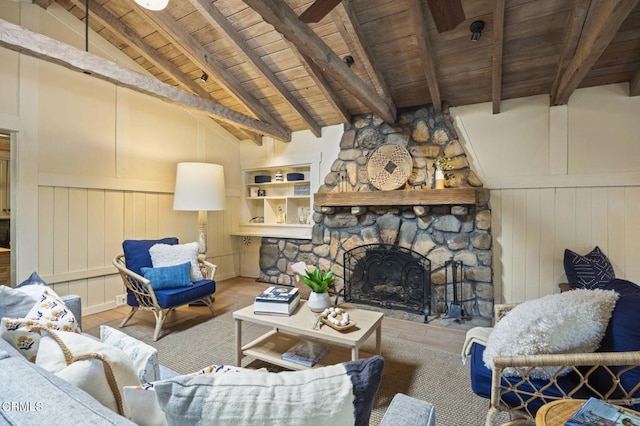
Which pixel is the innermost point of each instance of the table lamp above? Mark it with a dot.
(200, 187)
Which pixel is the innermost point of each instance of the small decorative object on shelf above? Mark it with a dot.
(301, 190)
(441, 164)
(278, 177)
(262, 179)
(262, 193)
(294, 176)
(281, 215)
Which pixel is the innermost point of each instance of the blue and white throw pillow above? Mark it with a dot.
(143, 357)
(593, 270)
(338, 394)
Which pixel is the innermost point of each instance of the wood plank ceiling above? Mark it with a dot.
(270, 74)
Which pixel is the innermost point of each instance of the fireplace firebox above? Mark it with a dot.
(388, 276)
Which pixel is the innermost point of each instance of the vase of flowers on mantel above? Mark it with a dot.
(319, 282)
(441, 164)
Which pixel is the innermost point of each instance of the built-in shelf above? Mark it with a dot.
(400, 197)
(279, 208)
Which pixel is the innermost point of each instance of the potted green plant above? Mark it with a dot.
(318, 281)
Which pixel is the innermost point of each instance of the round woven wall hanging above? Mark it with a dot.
(389, 167)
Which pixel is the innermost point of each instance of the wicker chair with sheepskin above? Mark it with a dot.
(576, 344)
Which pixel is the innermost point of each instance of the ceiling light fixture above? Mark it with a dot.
(204, 77)
(476, 30)
(153, 4)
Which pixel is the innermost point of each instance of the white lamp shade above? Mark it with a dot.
(199, 187)
(153, 4)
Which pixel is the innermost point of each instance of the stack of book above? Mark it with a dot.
(306, 353)
(277, 301)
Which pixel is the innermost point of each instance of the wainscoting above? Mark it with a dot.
(82, 229)
(532, 227)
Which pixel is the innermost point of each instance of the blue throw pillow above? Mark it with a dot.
(590, 271)
(166, 277)
(136, 252)
(34, 279)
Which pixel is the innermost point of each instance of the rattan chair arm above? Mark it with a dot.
(118, 262)
(588, 359)
(208, 269)
(614, 364)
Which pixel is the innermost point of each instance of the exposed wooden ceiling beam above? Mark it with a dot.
(345, 19)
(285, 21)
(420, 30)
(603, 28)
(119, 29)
(129, 36)
(634, 84)
(39, 46)
(217, 20)
(318, 78)
(575, 25)
(498, 45)
(166, 25)
(318, 10)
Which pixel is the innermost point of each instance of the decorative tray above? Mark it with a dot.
(338, 327)
(337, 318)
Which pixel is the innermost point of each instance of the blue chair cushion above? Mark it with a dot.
(172, 298)
(136, 252)
(168, 277)
(481, 383)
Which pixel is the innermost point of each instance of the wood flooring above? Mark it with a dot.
(241, 291)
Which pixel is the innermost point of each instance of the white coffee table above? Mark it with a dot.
(288, 330)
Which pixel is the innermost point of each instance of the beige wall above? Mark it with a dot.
(96, 164)
(560, 177)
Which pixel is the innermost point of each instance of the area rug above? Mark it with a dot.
(190, 342)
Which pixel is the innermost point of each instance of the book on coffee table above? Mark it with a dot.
(277, 301)
(598, 412)
(306, 352)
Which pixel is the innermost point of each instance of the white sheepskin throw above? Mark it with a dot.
(570, 322)
(170, 255)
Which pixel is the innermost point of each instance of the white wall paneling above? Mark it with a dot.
(82, 229)
(532, 228)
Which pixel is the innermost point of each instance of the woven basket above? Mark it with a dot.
(389, 167)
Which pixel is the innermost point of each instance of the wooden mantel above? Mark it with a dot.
(400, 197)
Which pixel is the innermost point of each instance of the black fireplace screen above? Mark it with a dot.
(389, 276)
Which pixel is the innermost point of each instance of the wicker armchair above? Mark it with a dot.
(141, 295)
(526, 395)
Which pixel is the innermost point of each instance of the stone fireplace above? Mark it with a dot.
(451, 229)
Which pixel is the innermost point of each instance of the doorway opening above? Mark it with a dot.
(5, 208)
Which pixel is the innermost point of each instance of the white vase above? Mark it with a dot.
(318, 302)
(439, 179)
